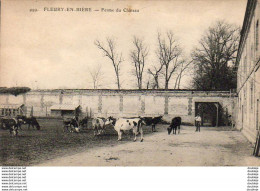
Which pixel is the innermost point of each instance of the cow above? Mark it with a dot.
(152, 121)
(71, 125)
(176, 123)
(83, 122)
(125, 124)
(12, 124)
(98, 125)
(110, 121)
(31, 121)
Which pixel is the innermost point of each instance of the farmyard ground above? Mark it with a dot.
(210, 147)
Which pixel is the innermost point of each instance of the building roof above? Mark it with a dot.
(64, 107)
(250, 9)
(11, 106)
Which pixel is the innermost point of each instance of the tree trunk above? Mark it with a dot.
(176, 82)
(118, 82)
(166, 84)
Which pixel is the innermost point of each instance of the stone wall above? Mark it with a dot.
(122, 103)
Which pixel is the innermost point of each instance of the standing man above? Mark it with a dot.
(198, 122)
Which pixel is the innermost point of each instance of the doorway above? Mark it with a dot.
(210, 113)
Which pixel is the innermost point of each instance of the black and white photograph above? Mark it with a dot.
(130, 83)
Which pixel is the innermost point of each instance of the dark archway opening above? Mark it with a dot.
(210, 112)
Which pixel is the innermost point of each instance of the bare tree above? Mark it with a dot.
(138, 57)
(96, 75)
(155, 71)
(217, 48)
(183, 68)
(169, 54)
(115, 57)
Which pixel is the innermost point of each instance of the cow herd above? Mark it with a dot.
(13, 124)
(121, 125)
(99, 124)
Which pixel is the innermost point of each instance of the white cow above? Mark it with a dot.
(98, 125)
(125, 124)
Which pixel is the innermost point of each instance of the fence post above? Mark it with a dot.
(87, 112)
(31, 114)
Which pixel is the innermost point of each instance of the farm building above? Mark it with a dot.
(65, 110)
(248, 74)
(12, 109)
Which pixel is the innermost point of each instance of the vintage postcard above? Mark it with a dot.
(129, 83)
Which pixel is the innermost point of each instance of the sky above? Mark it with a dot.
(48, 49)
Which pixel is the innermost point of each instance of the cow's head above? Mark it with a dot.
(142, 121)
(110, 121)
(35, 122)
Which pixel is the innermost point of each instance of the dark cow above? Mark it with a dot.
(70, 125)
(110, 121)
(12, 124)
(176, 123)
(83, 122)
(152, 121)
(31, 121)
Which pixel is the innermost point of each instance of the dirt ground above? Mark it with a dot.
(210, 147)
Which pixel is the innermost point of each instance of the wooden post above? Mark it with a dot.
(217, 116)
(257, 145)
(87, 112)
(90, 112)
(31, 114)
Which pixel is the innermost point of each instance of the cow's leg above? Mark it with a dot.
(135, 131)
(95, 131)
(10, 130)
(16, 130)
(103, 130)
(119, 135)
(179, 129)
(153, 128)
(99, 130)
(135, 134)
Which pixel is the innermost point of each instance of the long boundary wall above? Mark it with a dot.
(123, 103)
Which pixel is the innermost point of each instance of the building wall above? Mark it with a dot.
(249, 72)
(123, 103)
